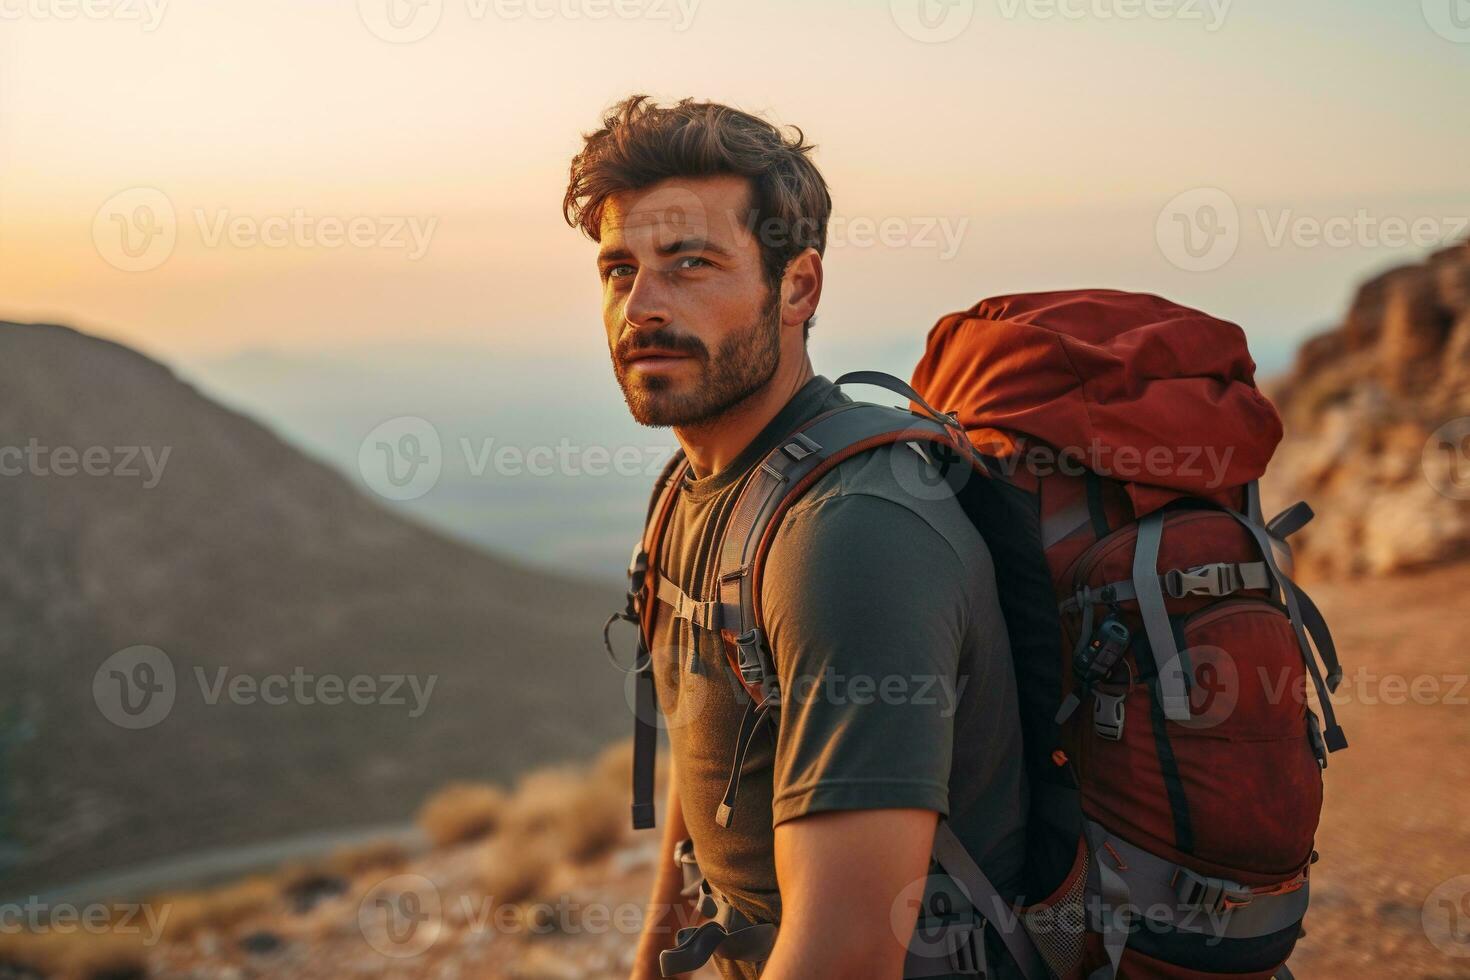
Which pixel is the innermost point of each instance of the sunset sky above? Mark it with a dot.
(1045, 144)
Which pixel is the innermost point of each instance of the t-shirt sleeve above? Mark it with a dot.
(864, 606)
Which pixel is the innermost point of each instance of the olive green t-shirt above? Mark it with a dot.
(880, 606)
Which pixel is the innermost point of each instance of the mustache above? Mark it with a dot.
(663, 340)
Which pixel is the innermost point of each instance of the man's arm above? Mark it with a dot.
(667, 911)
(848, 894)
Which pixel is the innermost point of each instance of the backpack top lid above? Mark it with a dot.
(1096, 371)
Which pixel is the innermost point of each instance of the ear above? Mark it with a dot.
(801, 288)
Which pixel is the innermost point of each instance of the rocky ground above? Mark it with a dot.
(555, 892)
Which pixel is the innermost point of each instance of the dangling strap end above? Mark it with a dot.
(724, 815)
(642, 816)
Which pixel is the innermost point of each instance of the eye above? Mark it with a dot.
(621, 271)
(679, 264)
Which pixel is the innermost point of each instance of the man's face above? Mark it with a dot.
(692, 327)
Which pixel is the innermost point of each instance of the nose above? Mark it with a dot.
(647, 304)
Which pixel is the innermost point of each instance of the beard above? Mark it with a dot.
(742, 365)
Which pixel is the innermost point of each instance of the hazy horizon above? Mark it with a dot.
(183, 176)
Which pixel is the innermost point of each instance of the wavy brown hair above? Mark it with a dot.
(641, 143)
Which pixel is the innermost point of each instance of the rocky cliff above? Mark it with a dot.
(1377, 416)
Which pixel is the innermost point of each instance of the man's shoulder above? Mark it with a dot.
(889, 480)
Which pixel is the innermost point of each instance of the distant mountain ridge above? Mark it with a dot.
(239, 557)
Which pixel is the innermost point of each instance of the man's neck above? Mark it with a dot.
(714, 446)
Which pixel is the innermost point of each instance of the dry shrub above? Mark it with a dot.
(512, 870)
(219, 908)
(613, 768)
(461, 812)
(356, 859)
(571, 808)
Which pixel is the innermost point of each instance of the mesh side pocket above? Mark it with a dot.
(1057, 925)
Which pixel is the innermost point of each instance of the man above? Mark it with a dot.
(898, 701)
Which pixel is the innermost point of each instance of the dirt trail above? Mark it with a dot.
(1397, 823)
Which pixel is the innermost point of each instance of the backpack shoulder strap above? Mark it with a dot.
(779, 481)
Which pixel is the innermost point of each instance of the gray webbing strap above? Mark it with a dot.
(1168, 658)
(1253, 502)
(1176, 898)
(706, 615)
(1331, 732)
(1290, 520)
(1064, 523)
(946, 949)
(731, 933)
(1321, 637)
(898, 387)
(1112, 890)
(693, 947)
(1215, 579)
(951, 855)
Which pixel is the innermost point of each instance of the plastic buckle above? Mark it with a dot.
(1216, 579)
(1314, 735)
(1213, 896)
(755, 664)
(1107, 715)
(967, 956)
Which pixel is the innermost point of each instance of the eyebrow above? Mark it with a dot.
(672, 248)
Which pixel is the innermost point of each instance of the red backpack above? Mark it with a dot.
(1107, 446)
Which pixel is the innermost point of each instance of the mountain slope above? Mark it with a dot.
(239, 557)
